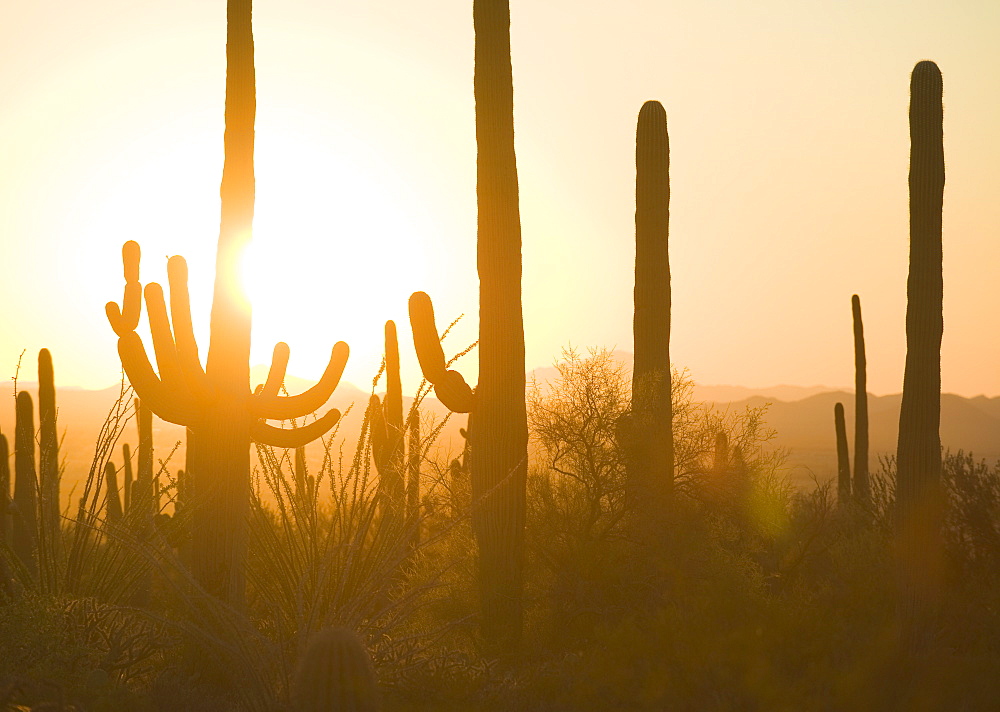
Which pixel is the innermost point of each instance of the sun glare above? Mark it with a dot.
(339, 245)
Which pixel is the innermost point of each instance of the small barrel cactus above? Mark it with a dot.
(335, 673)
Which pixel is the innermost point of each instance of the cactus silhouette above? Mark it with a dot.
(335, 673)
(127, 477)
(5, 511)
(25, 526)
(843, 456)
(498, 427)
(48, 452)
(216, 404)
(142, 488)
(387, 430)
(5, 501)
(113, 505)
(918, 457)
(861, 488)
(413, 456)
(651, 460)
(301, 474)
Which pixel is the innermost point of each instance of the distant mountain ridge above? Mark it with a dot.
(802, 417)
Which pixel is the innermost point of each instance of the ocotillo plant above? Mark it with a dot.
(25, 526)
(651, 446)
(499, 434)
(127, 475)
(215, 403)
(335, 673)
(48, 452)
(861, 489)
(919, 498)
(843, 456)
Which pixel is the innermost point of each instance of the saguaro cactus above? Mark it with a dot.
(48, 450)
(113, 506)
(651, 461)
(143, 499)
(413, 457)
(843, 456)
(5, 506)
(127, 475)
(25, 527)
(5, 502)
(387, 429)
(919, 497)
(498, 438)
(221, 413)
(861, 489)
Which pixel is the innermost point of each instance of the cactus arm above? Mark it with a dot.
(287, 407)
(455, 393)
(426, 341)
(126, 318)
(293, 437)
(449, 386)
(276, 373)
(393, 390)
(144, 380)
(180, 314)
(167, 362)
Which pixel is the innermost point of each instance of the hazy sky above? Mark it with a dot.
(789, 147)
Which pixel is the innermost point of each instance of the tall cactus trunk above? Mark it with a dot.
(48, 461)
(142, 490)
(413, 456)
(113, 503)
(499, 439)
(919, 496)
(5, 506)
(843, 456)
(861, 488)
(219, 453)
(127, 478)
(651, 465)
(141, 506)
(25, 527)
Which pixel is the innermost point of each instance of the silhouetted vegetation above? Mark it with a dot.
(602, 541)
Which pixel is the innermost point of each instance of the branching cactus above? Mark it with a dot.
(499, 435)
(25, 526)
(843, 456)
(919, 496)
(651, 441)
(215, 403)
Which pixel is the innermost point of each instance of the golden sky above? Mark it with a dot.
(789, 147)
